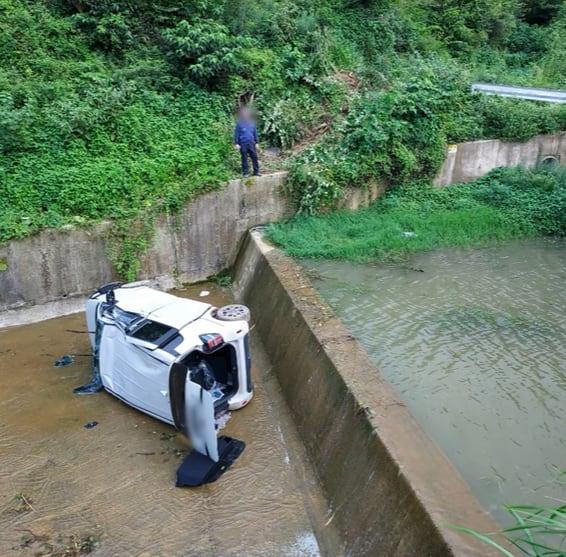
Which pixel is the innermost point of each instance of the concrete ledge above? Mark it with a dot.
(49, 310)
(202, 240)
(391, 489)
(470, 160)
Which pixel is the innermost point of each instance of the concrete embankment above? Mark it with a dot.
(466, 161)
(46, 274)
(50, 270)
(391, 489)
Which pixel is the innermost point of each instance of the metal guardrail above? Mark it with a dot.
(529, 93)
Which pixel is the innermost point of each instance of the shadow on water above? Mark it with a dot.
(476, 346)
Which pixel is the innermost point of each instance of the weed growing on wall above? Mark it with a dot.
(537, 531)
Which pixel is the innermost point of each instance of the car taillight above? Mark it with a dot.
(211, 341)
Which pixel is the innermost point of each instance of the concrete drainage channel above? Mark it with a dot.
(85, 468)
(390, 490)
(336, 465)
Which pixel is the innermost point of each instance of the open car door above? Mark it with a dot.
(199, 420)
(192, 408)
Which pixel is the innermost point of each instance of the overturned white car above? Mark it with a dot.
(181, 361)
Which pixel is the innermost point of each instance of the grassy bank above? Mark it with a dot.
(507, 203)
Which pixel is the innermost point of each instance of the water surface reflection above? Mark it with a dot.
(475, 343)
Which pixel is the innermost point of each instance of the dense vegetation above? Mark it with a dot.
(507, 203)
(122, 108)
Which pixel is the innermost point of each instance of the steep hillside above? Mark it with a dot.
(120, 108)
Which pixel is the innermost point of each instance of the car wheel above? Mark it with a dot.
(233, 312)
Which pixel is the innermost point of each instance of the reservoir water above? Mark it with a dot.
(474, 341)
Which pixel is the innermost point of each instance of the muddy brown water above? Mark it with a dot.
(116, 480)
(474, 342)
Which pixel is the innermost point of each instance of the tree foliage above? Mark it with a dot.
(205, 50)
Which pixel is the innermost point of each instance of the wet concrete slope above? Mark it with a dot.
(116, 480)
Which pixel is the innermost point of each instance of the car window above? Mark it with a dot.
(123, 318)
(151, 331)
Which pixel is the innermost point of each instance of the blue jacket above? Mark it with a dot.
(245, 133)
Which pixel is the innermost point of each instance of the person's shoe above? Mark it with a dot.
(244, 175)
(257, 174)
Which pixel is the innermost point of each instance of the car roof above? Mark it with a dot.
(160, 306)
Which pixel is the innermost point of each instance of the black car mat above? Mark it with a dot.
(198, 469)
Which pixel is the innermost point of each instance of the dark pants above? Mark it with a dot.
(245, 150)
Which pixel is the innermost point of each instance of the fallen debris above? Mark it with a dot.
(71, 546)
(64, 360)
(20, 504)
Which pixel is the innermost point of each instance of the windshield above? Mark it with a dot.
(151, 331)
(124, 319)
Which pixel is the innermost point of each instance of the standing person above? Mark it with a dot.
(245, 141)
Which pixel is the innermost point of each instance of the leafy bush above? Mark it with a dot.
(516, 120)
(470, 23)
(396, 135)
(157, 152)
(205, 49)
(110, 31)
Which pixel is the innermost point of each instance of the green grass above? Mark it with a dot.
(367, 234)
(538, 531)
(508, 203)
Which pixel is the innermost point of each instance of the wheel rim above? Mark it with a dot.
(234, 311)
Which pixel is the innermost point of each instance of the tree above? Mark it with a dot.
(205, 50)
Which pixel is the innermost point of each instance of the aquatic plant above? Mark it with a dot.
(536, 532)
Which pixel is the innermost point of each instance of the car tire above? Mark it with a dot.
(233, 312)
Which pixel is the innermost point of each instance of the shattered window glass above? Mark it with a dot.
(152, 331)
(123, 318)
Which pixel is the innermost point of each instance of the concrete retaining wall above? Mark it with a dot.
(356, 198)
(49, 273)
(55, 265)
(390, 488)
(466, 161)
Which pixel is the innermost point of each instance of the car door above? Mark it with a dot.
(192, 408)
(131, 371)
